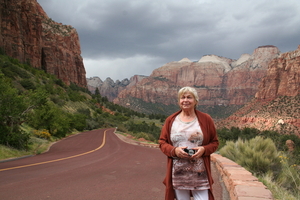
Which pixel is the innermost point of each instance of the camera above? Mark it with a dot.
(190, 151)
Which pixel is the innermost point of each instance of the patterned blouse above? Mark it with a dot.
(188, 174)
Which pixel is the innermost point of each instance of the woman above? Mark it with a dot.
(188, 137)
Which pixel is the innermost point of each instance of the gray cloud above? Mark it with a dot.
(122, 38)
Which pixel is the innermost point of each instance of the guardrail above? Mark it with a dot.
(240, 183)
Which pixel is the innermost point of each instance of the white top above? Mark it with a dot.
(188, 174)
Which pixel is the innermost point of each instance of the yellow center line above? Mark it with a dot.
(60, 159)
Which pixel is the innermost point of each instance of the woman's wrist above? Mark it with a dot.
(173, 152)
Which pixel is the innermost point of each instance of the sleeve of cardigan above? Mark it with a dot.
(164, 144)
(213, 144)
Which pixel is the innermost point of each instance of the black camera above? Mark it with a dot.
(190, 151)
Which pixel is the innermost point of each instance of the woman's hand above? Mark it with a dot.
(180, 153)
(199, 152)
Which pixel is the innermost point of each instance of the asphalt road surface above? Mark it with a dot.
(87, 166)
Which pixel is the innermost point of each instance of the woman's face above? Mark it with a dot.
(187, 101)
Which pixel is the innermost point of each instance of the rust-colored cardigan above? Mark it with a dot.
(210, 143)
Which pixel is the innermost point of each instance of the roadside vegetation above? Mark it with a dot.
(266, 155)
(38, 109)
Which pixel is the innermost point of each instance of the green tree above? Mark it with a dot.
(78, 121)
(12, 110)
(52, 118)
(97, 93)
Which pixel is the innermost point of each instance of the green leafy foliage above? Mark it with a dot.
(52, 118)
(31, 97)
(78, 121)
(27, 84)
(12, 112)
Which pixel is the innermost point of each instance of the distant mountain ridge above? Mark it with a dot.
(261, 90)
(218, 80)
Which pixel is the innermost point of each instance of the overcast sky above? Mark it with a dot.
(122, 38)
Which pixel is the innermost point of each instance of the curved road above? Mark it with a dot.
(90, 165)
(87, 166)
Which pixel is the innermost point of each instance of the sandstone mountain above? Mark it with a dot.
(262, 89)
(29, 35)
(219, 81)
(109, 88)
(276, 105)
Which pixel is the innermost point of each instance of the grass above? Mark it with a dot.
(7, 153)
(38, 146)
(279, 193)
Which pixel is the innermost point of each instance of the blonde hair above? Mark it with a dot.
(188, 89)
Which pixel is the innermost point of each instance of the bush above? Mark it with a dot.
(52, 118)
(92, 124)
(16, 138)
(42, 134)
(257, 155)
(12, 109)
(27, 84)
(78, 121)
(12, 70)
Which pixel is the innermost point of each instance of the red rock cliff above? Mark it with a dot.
(218, 80)
(283, 77)
(277, 101)
(28, 34)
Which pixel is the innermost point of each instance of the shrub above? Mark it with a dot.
(17, 138)
(93, 124)
(27, 84)
(52, 118)
(42, 134)
(257, 155)
(78, 121)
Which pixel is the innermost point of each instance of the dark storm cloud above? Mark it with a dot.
(140, 36)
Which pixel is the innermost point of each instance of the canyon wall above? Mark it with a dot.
(276, 105)
(29, 35)
(283, 77)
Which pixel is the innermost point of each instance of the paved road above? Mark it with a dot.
(91, 165)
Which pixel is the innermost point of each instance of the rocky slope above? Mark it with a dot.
(29, 35)
(276, 105)
(283, 77)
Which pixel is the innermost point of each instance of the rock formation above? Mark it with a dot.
(277, 102)
(283, 77)
(218, 80)
(243, 80)
(109, 88)
(290, 145)
(29, 35)
(93, 83)
(265, 83)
